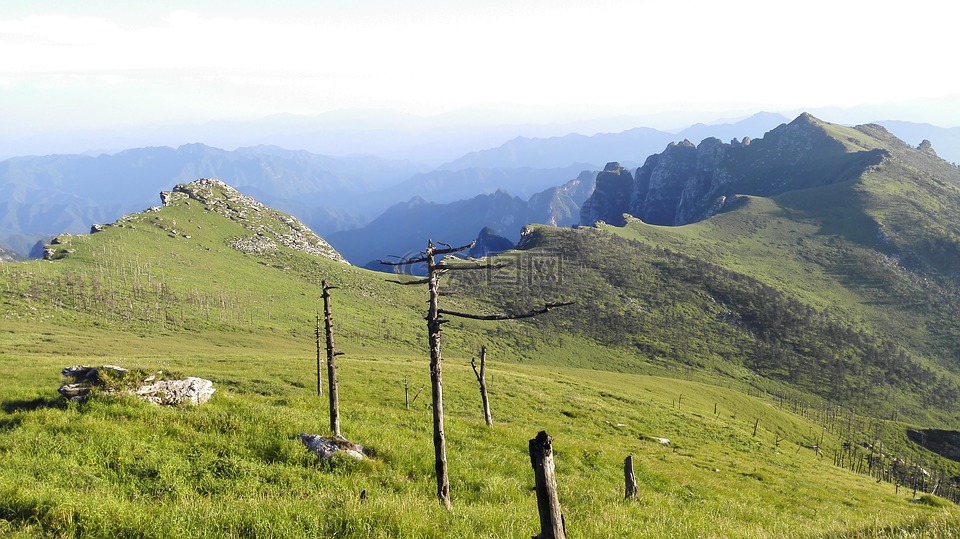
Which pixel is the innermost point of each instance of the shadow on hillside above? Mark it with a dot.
(945, 443)
(29, 405)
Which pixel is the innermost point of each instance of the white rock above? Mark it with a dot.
(326, 448)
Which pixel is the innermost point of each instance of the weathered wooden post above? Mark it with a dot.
(629, 479)
(334, 384)
(482, 379)
(548, 504)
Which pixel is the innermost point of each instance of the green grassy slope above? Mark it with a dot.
(116, 467)
(672, 310)
(855, 276)
(143, 296)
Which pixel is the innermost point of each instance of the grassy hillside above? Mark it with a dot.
(844, 289)
(117, 467)
(171, 289)
(676, 311)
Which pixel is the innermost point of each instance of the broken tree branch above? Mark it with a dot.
(506, 316)
(469, 266)
(418, 281)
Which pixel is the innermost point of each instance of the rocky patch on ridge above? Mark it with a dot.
(266, 224)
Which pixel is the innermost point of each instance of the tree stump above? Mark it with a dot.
(629, 479)
(548, 504)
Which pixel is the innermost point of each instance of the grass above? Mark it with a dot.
(233, 467)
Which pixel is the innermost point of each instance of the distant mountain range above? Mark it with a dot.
(404, 227)
(630, 146)
(44, 196)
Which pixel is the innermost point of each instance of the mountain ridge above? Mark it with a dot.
(687, 183)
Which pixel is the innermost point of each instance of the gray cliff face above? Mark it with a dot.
(661, 182)
(687, 183)
(611, 196)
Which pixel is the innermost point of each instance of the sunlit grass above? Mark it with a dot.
(233, 467)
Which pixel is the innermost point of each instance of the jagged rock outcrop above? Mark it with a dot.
(268, 226)
(686, 183)
(489, 243)
(611, 196)
(153, 388)
(927, 147)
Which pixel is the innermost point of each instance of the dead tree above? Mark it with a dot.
(319, 375)
(333, 383)
(435, 322)
(482, 379)
(629, 479)
(548, 504)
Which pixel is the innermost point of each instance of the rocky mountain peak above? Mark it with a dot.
(268, 226)
(611, 196)
(805, 118)
(687, 183)
(613, 167)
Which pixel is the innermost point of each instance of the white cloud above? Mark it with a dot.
(431, 56)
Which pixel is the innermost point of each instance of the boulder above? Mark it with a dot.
(190, 390)
(114, 380)
(327, 447)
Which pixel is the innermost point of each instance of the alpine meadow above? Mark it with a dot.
(767, 328)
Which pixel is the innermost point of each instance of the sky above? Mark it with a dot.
(99, 64)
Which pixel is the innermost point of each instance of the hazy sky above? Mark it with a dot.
(87, 64)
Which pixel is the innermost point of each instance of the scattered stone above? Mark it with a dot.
(326, 448)
(257, 245)
(190, 390)
(661, 441)
(97, 228)
(74, 391)
(114, 380)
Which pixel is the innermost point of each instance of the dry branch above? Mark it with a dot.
(506, 316)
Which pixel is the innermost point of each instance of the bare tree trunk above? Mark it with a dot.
(629, 479)
(434, 327)
(482, 378)
(319, 376)
(548, 504)
(436, 380)
(332, 354)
